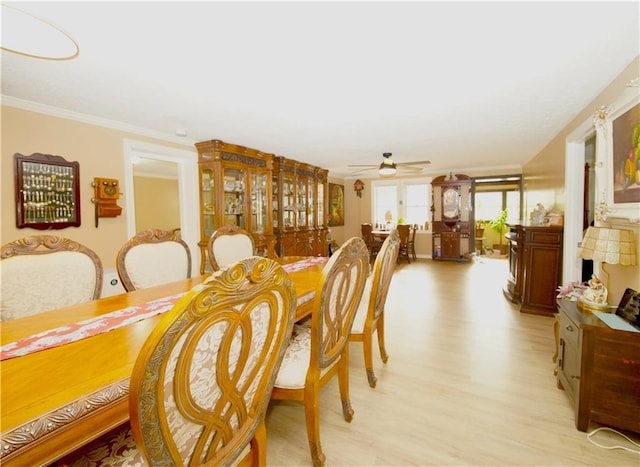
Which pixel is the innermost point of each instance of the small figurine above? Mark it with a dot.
(538, 214)
(596, 293)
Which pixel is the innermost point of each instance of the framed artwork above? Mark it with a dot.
(47, 192)
(336, 205)
(618, 158)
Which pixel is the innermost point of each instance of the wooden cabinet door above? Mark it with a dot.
(450, 245)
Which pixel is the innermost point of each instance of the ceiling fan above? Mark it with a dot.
(388, 167)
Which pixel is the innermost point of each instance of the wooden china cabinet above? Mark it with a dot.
(235, 189)
(298, 206)
(452, 215)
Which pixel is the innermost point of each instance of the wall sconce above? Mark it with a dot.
(105, 195)
(358, 186)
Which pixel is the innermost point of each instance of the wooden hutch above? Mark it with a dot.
(235, 189)
(299, 201)
(452, 213)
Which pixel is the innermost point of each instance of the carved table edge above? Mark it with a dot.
(36, 429)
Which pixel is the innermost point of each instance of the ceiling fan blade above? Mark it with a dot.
(414, 163)
(364, 170)
(408, 169)
(362, 165)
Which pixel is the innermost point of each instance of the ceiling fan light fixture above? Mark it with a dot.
(387, 166)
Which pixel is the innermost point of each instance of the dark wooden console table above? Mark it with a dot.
(599, 369)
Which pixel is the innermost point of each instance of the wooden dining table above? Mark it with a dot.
(55, 400)
(381, 234)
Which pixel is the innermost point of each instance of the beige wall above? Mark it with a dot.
(100, 154)
(156, 203)
(544, 177)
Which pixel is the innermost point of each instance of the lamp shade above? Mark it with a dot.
(611, 246)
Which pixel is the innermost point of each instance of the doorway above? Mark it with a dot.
(496, 200)
(580, 147)
(146, 163)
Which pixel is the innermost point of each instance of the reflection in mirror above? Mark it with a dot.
(450, 203)
(155, 184)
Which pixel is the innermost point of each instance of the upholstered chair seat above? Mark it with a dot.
(295, 365)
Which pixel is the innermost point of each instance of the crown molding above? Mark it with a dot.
(52, 111)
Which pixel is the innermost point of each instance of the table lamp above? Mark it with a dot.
(607, 246)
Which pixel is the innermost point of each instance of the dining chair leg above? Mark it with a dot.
(367, 341)
(343, 383)
(380, 331)
(259, 445)
(312, 418)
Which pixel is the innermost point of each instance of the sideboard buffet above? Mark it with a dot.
(535, 267)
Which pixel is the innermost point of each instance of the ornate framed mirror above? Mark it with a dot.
(451, 204)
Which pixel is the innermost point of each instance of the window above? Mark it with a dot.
(493, 194)
(406, 199)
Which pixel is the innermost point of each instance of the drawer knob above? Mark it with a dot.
(569, 328)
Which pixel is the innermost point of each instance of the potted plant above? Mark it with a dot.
(499, 225)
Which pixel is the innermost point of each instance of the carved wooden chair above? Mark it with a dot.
(229, 244)
(202, 381)
(370, 315)
(404, 230)
(153, 257)
(373, 244)
(45, 272)
(320, 351)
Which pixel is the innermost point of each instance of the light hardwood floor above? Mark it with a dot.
(469, 382)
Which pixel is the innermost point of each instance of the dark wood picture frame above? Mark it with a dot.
(336, 205)
(47, 190)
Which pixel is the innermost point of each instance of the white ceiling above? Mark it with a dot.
(333, 83)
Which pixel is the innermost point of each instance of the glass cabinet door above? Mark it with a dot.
(311, 215)
(234, 197)
(320, 204)
(301, 202)
(207, 206)
(275, 201)
(288, 203)
(258, 202)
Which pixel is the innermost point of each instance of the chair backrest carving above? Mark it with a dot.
(336, 301)
(153, 257)
(229, 244)
(202, 382)
(45, 272)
